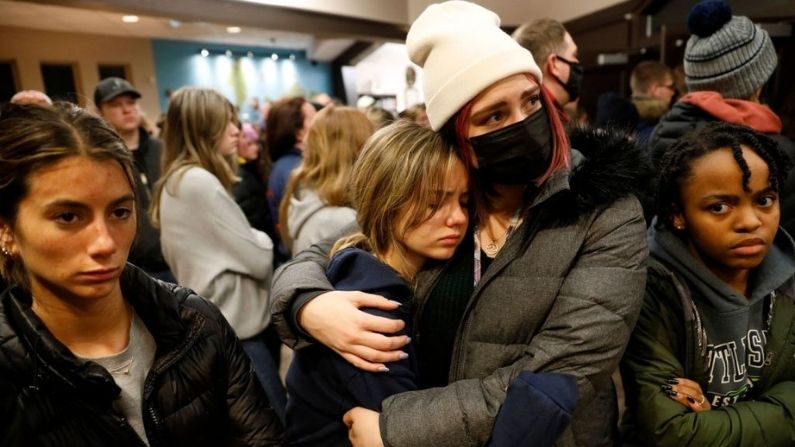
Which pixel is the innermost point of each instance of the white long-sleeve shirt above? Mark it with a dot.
(211, 248)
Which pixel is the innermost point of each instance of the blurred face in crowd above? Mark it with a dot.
(229, 141)
(247, 146)
(560, 67)
(122, 113)
(664, 91)
(308, 112)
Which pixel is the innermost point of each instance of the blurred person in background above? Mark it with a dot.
(286, 131)
(316, 202)
(207, 239)
(556, 54)
(117, 102)
(653, 88)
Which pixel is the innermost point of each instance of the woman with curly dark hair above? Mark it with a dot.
(710, 362)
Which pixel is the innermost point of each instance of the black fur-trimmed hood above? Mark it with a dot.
(606, 166)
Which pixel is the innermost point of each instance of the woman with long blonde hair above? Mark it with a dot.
(207, 240)
(410, 190)
(316, 202)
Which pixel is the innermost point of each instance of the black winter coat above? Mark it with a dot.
(201, 390)
(146, 252)
(250, 195)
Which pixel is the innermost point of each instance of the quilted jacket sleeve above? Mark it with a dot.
(252, 421)
(296, 283)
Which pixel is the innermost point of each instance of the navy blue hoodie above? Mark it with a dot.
(322, 386)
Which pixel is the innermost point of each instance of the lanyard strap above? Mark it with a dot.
(511, 226)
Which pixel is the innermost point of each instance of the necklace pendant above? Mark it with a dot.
(491, 249)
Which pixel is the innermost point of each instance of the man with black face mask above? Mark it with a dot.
(556, 54)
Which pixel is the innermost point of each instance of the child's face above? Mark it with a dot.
(438, 236)
(729, 229)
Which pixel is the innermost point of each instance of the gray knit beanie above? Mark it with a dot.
(726, 54)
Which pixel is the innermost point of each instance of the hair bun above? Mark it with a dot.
(708, 16)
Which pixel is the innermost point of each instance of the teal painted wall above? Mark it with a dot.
(239, 78)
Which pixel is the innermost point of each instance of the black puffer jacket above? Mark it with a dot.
(250, 193)
(200, 391)
(146, 252)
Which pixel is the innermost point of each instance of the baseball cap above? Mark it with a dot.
(110, 88)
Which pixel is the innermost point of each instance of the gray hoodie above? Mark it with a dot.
(736, 326)
(309, 220)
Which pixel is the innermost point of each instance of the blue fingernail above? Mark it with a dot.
(383, 369)
(408, 339)
(403, 356)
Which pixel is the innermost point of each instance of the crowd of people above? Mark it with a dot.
(471, 272)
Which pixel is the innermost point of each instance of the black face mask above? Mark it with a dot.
(574, 84)
(516, 154)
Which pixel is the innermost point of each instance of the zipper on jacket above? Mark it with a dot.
(125, 426)
(152, 433)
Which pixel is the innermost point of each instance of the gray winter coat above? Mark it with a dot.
(562, 296)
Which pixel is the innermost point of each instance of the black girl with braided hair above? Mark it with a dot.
(710, 361)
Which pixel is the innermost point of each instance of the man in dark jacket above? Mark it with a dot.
(728, 59)
(653, 87)
(117, 102)
(200, 390)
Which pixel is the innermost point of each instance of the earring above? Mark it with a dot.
(4, 239)
(679, 227)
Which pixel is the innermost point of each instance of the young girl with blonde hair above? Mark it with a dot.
(316, 203)
(410, 190)
(207, 240)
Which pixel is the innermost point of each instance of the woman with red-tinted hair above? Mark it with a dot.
(549, 278)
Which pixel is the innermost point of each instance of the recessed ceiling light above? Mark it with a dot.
(174, 23)
(292, 57)
(250, 54)
(274, 56)
(129, 19)
(233, 29)
(228, 53)
(204, 52)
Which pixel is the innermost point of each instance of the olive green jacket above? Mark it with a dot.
(668, 342)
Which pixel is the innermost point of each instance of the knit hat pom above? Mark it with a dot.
(708, 16)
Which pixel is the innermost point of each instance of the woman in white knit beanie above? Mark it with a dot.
(548, 279)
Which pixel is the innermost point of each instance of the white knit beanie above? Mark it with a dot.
(462, 50)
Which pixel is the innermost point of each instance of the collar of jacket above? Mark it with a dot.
(157, 303)
(605, 167)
